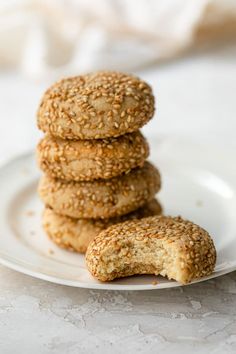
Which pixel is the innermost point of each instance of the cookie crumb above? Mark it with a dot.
(199, 203)
(154, 282)
(30, 213)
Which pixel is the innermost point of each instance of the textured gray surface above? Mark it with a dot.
(41, 317)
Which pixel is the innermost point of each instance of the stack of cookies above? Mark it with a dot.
(94, 157)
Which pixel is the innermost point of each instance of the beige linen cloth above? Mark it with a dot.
(44, 38)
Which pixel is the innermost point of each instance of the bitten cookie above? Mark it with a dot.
(101, 199)
(96, 106)
(86, 160)
(163, 245)
(75, 234)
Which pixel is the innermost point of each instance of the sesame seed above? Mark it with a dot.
(147, 242)
(101, 198)
(65, 104)
(57, 157)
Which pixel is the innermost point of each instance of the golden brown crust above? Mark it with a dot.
(75, 234)
(87, 160)
(96, 106)
(101, 199)
(163, 245)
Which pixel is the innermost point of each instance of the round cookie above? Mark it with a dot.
(101, 199)
(75, 234)
(163, 245)
(86, 160)
(96, 106)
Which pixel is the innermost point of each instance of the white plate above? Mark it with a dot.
(199, 183)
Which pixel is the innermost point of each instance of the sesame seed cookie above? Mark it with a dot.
(101, 199)
(163, 245)
(86, 160)
(96, 106)
(75, 234)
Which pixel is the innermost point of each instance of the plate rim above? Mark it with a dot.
(15, 265)
(106, 286)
